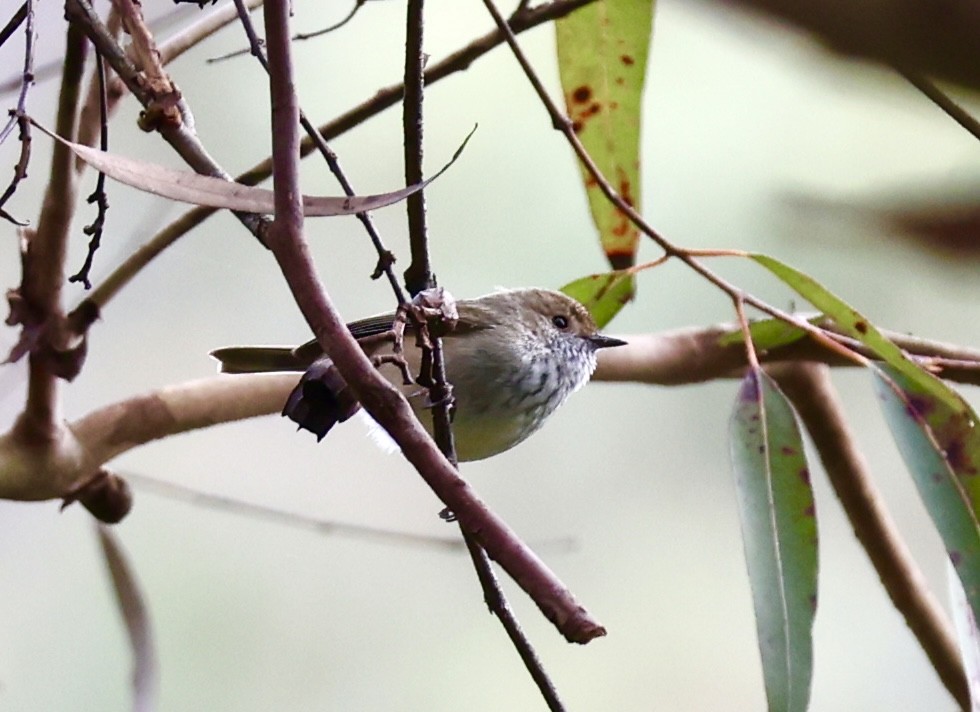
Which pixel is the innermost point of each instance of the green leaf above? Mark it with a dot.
(602, 294)
(768, 333)
(858, 327)
(779, 530)
(602, 59)
(941, 448)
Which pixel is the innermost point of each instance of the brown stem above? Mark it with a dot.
(44, 263)
(810, 389)
(419, 275)
(523, 19)
(461, 59)
(498, 605)
(938, 97)
(385, 257)
(379, 398)
(165, 109)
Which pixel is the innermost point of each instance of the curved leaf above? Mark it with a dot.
(136, 618)
(602, 59)
(857, 326)
(212, 192)
(941, 448)
(779, 530)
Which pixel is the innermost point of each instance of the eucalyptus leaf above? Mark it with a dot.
(779, 531)
(856, 325)
(602, 61)
(941, 448)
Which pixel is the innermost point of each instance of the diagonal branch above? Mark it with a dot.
(524, 18)
(379, 398)
(44, 259)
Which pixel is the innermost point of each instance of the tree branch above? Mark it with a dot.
(697, 355)
(419, 275)
(378, 397)
(44, 260)
(523, 19)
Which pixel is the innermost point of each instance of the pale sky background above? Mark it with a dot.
(252, 616)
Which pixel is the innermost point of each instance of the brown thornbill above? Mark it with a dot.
(513, 357)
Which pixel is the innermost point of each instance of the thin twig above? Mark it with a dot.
(385, 257)
(26, 15)
(13, 23)
(813, 394)
(98, 196)
(44, 261)
(104, 94)
(523, 19)
(379, 398)
(257, 42)
(419, 275)
(941, 99)
(358, 4)
(196, 497)
(25, 12)
(498, 605)
(20, 169)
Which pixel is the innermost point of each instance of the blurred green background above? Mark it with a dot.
(250, 615)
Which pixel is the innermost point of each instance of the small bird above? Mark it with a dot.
(513, 357)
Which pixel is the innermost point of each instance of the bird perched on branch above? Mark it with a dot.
(512, 358)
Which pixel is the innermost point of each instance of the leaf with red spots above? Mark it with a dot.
(779, 531)
(602, 59)
(856, 325)
(602, 294)
(941, 448)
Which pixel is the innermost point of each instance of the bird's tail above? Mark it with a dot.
(258, 359)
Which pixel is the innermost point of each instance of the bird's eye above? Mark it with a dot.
(560, 321)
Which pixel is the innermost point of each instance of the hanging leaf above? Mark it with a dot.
(602, 294)
(135, 617)
(196, 189)
(602, 59)
(941, 448)
(779, 530)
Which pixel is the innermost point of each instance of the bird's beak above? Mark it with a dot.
(604, 342)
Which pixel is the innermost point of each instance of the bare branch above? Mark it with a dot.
(378, 397)
(697, 355)
(523, 19)
(385, 257)
(418, 276)
(44, 259)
